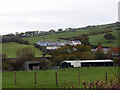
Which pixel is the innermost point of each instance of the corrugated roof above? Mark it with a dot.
(90, 61)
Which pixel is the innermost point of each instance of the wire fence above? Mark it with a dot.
(54, 78)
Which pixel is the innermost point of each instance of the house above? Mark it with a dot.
(85, 63)
(31, 65)
(52, 47)
(76, 42)
(99, 48)
(41, 43)
(93, 50)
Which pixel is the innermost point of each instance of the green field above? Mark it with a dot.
(54, 36)
(66, 77)
(95, 39)
(10, 49)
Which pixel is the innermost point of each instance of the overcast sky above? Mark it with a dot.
(30, 15)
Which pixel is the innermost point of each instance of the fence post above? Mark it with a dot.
(15, 77)
(35, 78)
(79, 78)
(106, 78)
(56, 78)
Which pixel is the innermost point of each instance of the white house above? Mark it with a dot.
(51, 47)
(76, 42)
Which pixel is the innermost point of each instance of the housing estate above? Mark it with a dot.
(52, 45)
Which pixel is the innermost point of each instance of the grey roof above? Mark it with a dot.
(31, 62)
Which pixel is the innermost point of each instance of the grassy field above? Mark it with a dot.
(94, 40)
(10, 49)
(46, 78)
(54, 36)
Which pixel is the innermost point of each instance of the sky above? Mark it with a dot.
(44, 15)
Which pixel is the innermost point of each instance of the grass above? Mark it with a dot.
(10, 49)
(46, 78)
(55, 36)
(94, 40)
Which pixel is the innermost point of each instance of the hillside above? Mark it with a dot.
(100, 38)
(10, 49)
(79, 31)
(55, 36)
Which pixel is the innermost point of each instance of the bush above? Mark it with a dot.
(25, 54)
(44, 64)
(99, 55)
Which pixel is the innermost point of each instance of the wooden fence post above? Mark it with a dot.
(15, 77)
(35, 78)
(56, 78)
(79, 78)
(106, 78)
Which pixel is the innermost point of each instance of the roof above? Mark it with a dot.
(89, 61)
(31, 62)
(94, 50)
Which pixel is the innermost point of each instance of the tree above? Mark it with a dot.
(51, 31)
(60, 30)
(110, 37)
(83, 38)
(44, 64)
(63, 50)
(99, 55)
(82, 48)
(59, 58)
(99, 47)
(25, 54)
(5, 63)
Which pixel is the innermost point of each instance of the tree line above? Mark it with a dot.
(6, 39)
(78, 52)
(104, 28)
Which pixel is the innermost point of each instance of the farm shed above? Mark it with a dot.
(86, 63)
(31, 65)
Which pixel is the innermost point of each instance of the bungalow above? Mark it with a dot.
(85, 63)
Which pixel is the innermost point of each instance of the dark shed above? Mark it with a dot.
(31, 65)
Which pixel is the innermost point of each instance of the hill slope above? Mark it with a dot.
(10, 49)
(93, 39)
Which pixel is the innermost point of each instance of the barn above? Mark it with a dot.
(31, 65)
(86, 63)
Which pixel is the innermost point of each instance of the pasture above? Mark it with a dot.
(55, 36)
(65, 77)
(10, 49)
(95, 39)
